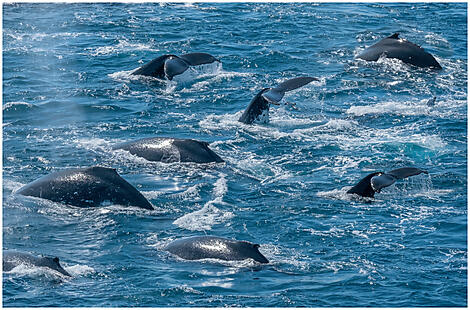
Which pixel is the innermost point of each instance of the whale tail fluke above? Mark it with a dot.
(196, 59)
(375, 182)
(274, 95)
(171, 65)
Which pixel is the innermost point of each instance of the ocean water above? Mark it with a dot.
(68, 96)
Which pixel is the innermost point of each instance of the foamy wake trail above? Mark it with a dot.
(34, 271)
(79, 270)
(396, 108)
(209, 215)
(122, 47)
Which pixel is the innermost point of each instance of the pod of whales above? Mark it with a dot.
(168, 66)
(200, 247)
(86, 187)
(374, 182)
(258, 109)
(12, 259)
(171, 150)
(394, 47)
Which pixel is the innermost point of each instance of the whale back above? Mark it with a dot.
(168, 150)
(257, 110)
(196, 151)
(86, 187)
(202, 247)
(395, 47)
(12, 259)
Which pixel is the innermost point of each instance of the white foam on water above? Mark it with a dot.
(92, 144)
(393, 107)
(14, 104)
(122, 46)
(209, 215)
(200, 71)
(360, 137)
(12, 185)
(79, 270)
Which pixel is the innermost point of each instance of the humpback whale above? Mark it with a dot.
(394, 47)
(171, 150)
(258, 109)
(374, 182)
(168, 66)
(200, 247)
(11, 259)
(86, 187)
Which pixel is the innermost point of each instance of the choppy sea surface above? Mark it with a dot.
(68, 96)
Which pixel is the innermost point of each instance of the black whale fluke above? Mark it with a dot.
(277, 93)
(376, 181)
(168, 66)
(259, 105)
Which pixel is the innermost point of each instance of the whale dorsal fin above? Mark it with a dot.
(275, 94)
(195, 59)
(394, 36)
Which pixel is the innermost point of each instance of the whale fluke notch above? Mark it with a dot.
(375, 182)
(274, 95)
(174, 66)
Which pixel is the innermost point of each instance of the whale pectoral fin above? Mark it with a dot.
(174, 67)
(380, 181)
(402, 173)
(195, 59)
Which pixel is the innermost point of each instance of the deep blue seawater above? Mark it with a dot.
(68, 96)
